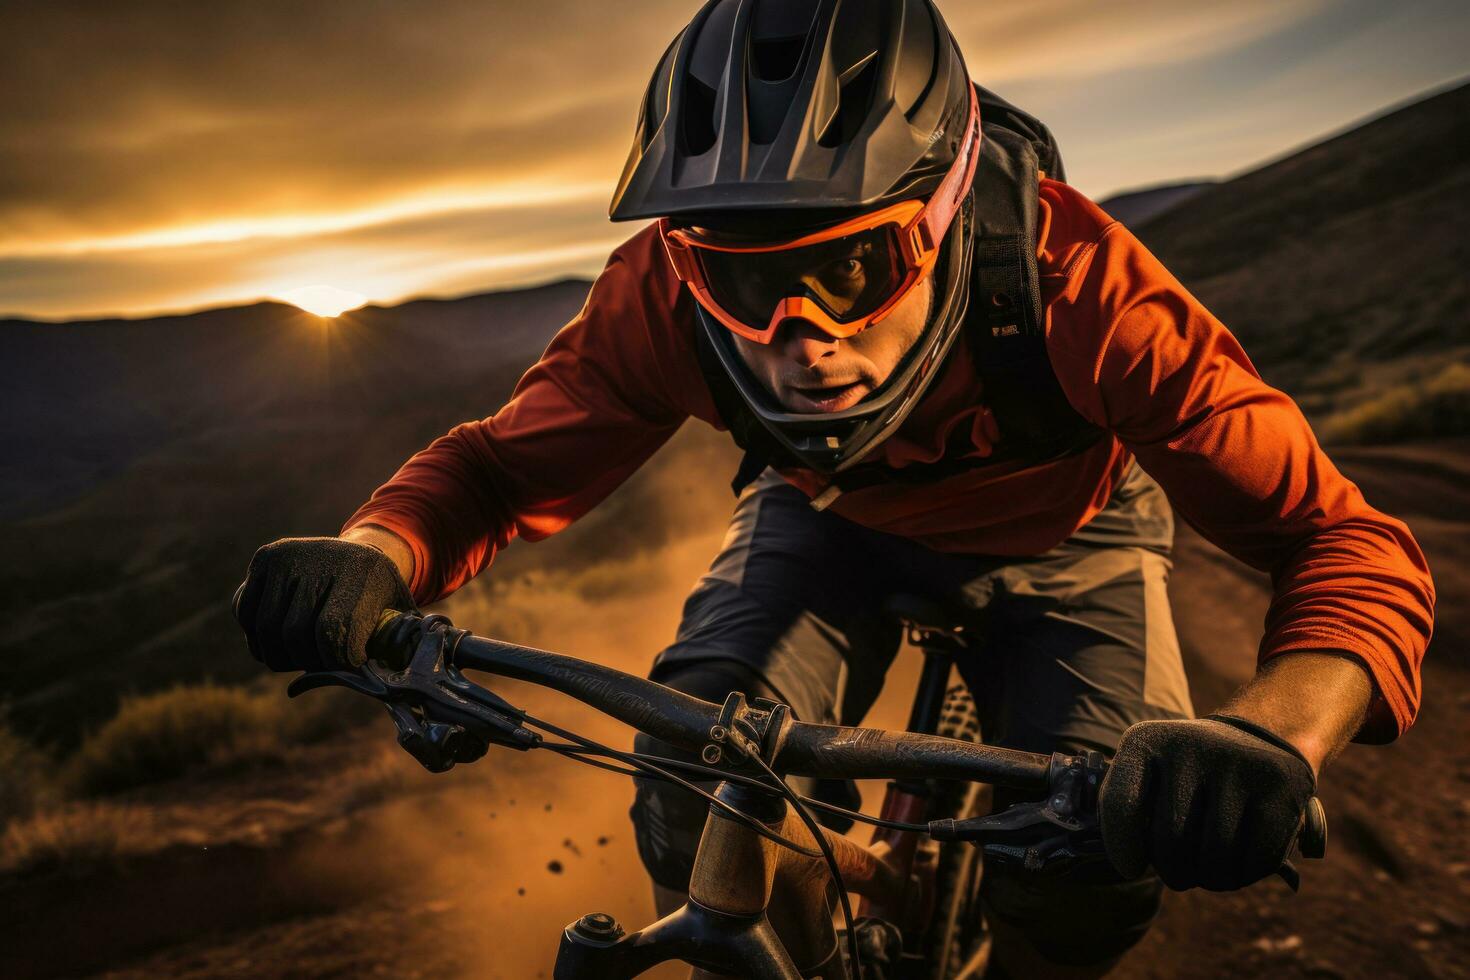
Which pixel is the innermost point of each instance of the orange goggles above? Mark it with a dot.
(842, 279)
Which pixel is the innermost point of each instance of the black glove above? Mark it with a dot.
(313, 603)
(1213, 802)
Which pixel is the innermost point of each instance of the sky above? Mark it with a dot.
(164, 156)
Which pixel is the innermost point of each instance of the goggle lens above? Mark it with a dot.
(849, 277)
(843, 279)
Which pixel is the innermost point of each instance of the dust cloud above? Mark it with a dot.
(483, 842)
(478, 844)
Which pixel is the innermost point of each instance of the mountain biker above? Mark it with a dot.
(821, 283)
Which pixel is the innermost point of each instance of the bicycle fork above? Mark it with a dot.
(724, 927)
(914, 857)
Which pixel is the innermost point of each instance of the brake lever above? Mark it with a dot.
(1035, 836)
(442, 717)
(360, 681)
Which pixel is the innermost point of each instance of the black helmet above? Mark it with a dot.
(777, 116)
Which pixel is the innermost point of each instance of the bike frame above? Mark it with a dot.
(725, 927)
(738, 875)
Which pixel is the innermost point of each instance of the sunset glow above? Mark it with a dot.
(138, 177)
(326, 301)
(424, 206)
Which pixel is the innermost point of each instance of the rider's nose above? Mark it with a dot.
(805, 343)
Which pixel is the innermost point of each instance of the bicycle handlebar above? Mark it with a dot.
(827, 751)
(444, 718)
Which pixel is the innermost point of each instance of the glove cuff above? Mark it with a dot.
(1265, 735)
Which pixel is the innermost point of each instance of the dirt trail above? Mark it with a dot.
(475, 875)
(1393, 897)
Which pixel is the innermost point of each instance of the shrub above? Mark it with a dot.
(161, 736)
(1418, 410)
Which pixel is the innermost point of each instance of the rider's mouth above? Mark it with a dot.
(831, 398)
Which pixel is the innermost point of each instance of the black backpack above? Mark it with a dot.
(1003, 324)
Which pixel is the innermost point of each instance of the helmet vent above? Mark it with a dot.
(698, 122)
(919, 99)
(854, 99)
(775, 59)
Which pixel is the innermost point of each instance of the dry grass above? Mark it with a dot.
(81, 836)
(1422, 409)
(25, 776)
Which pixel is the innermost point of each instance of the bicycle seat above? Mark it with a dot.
(923, 613)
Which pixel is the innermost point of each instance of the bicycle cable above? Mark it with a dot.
(579, 754)
(629, 759)
(856, 968)
(713, 773)
(841, 811)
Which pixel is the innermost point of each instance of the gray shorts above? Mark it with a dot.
(1076, 644)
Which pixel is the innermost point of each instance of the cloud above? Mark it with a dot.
(1071, 39)
(1225, 113)
(157, 153)
(116, 117)
(448, 252)
(119, 117)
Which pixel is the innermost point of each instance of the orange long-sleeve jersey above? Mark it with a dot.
(1135, 354)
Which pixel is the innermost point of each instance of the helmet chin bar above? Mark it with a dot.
(833, 442)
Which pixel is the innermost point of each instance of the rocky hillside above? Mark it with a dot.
(1340, 267)
(145, 460)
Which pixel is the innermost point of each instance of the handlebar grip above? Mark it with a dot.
(1311, 839)
(386, 648)
(385, 626)
(1311, 842)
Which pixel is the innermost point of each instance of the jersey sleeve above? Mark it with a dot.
(1240, 463)
(612, 387)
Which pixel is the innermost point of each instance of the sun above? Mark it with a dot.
(323, 300)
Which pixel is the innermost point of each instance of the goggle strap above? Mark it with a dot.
(946, 200)
(681, 257)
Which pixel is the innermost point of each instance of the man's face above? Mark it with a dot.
(810, 371)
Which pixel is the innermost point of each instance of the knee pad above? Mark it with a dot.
(667, 823)
(1105, 916)
(667, 819)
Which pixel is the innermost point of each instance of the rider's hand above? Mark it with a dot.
(313, 603)
(1209, 802)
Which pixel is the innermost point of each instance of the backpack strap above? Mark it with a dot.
(1007, 321)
